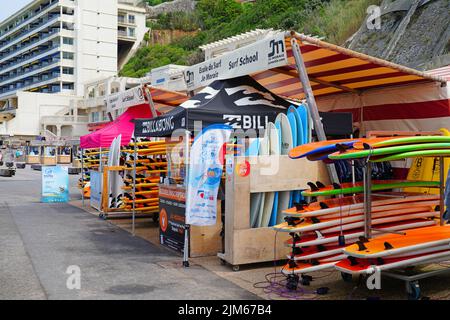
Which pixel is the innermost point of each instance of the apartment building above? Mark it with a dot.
(48, 51)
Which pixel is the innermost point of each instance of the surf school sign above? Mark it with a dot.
(129, 98)
(262, 55)
(55, 184)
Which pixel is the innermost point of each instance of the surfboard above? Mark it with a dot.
(413, 154)
(357, 153)
(327, 238)
(293, 124)
(275, 149)
(303, 112)
(286, 142)
(354, 203)
(320, 147)
(305, 225)
(368, 266)
(293, 112)
(402, 207)
(426, 168)
(347, 188)
(317, 265)
(350, 223)
(264, 149)
(255, 198)
(396, 244)
(389, 142)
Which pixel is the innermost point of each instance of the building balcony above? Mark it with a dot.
(30, 84)
(124, 35)
(64, 120)
(33, 43)
(36, 29)
(35, 15)
(36, 69)
(39, 55)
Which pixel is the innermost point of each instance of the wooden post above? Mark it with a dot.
(318, 126)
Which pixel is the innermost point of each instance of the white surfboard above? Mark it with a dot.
(287, 143)
(351, 236)
(322, 266)
(264, 149)
(427, 258)
(377, 205)
(274, 148)
(355, 222)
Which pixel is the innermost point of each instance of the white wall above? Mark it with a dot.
(96, 40)
(32, 106)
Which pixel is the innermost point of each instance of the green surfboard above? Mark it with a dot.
(411, 140)
(413, 154)
(375, 187)
(354, 154)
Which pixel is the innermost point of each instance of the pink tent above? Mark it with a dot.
(123, 125)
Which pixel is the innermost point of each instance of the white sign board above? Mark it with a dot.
(126, 99)
(262, 55)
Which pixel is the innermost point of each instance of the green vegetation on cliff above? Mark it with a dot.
(335, 20)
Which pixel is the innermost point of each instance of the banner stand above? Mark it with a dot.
(186, 246)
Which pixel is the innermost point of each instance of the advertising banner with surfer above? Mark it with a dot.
(205, 174)
(55, 184)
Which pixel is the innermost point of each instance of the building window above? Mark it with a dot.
(68, 55)
(131, 19)
(131, 32)
(67, 70)
(94, 117)
(68, 41)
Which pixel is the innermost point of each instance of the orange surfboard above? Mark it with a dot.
(395, 243)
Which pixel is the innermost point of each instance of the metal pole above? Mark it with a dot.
(82, 178)
(353, 166)
(318, 126)
(134, 187)
(441, 189)
(186, 186)
(368, 200)
(150, 102)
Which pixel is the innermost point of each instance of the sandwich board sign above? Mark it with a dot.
(55, 184)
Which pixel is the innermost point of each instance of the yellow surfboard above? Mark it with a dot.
(427, 169)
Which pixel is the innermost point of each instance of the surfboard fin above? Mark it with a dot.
(315, 220)
(299, 206)
(353, 261)
(293, 221)
(363, 239)
(315, 262)
(296, 251)
(380, 261)
(342, 147)
(319, 234)
(320, 185)
(336, 186)
(323, 205)
(292, 264)
(361, 246)
(388, 246)
(321, 248)
(312, 186)
(366, 146)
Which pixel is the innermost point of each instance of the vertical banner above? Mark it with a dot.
(96, 189)
(205, 174)
(55, 184)
(172, 207)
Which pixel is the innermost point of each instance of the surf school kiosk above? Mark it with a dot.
(33, 152)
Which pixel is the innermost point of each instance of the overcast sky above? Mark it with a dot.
(9, 7)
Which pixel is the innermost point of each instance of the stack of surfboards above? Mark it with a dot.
(320, 229)
(91, 160)
(414, 247)
(288, 131)
(150, 162)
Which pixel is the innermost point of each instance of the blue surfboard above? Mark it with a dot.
(299, 136)
(303, 112)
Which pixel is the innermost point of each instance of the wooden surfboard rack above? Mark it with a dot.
(246, 245)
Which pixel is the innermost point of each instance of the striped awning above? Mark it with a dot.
(334, 70)
(166, 98)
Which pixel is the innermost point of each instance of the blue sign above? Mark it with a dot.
(55, 184)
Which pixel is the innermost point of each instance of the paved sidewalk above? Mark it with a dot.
(40, 241)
